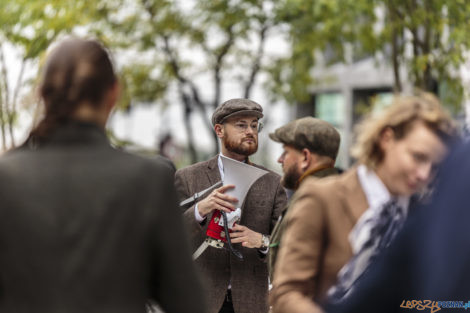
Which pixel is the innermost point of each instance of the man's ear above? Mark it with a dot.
(219, 130)
(307, 158)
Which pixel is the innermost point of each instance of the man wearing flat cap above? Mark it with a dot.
(310, 147)
(233, 285)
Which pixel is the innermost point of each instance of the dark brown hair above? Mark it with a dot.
(76, 71)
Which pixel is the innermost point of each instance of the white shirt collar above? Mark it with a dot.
(376, 192)
(221, 166)
(377, 195)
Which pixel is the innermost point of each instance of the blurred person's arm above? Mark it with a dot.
(194, 223)
(300, 257)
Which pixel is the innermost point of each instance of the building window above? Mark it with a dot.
(331, 107)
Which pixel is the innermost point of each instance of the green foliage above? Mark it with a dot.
(139, 85)
(30, 27)
(194, 47)
(33, 25)
(171, 44)
(188, 47)
(428, 37)
(323, 26)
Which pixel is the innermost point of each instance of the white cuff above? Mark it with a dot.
(198, 216)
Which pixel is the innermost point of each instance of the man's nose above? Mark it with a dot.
(250, 130)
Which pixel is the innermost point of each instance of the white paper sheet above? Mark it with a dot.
(242, 176)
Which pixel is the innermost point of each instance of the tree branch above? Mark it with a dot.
(257, 61)
(187, 122)
(394, 16)
(218, 65)
(183, 81)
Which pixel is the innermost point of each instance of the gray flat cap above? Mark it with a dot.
(311, 133)
(236, 107)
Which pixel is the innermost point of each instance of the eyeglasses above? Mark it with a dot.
(242, 127)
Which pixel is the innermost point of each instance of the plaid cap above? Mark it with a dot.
(311, 133)
(236, 107)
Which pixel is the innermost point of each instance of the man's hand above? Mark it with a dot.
(247, 237)
(217, 200)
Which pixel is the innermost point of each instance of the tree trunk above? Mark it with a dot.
(218, 79)
(428, 81)
(2, 118)
(12, 109)
(397, 86)
(257, 62)
(189, 128)
(5, 98)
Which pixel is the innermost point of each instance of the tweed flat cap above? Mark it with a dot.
(236, 107)
(311, 133)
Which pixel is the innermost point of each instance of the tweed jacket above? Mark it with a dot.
(281, 224)
(315, 245)
(260, 211)
(86, 228)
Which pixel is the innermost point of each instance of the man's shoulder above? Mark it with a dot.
(114, 163)
(143, 166)
(195, 168)
(319, 181)
(327, 185)
(270, 173)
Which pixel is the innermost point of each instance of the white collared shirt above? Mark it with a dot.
(377, 195)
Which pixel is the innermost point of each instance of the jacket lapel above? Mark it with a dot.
(212, 172)
(353, 197)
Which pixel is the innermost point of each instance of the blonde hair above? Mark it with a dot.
(400, 116)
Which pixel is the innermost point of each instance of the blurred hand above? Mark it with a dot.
(247, 237)
(217, 200)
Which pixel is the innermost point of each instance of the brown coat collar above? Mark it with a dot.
(351, 193)
(319, 172)
(213, 175)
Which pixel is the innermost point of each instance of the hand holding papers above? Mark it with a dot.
(242, 176)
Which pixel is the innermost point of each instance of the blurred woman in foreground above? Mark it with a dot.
(84, 227)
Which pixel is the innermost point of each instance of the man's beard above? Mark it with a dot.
(238, 148)
(291, 177)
